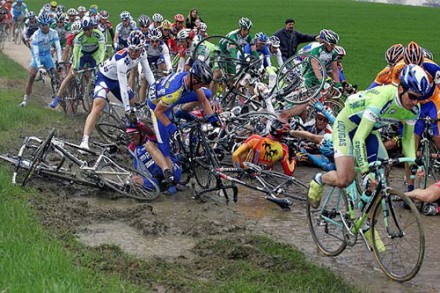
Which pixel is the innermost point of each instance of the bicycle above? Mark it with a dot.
(397, 236)
(58, 159)
(19, 26)
(3, 35)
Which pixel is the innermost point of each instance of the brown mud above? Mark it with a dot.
(170, 227)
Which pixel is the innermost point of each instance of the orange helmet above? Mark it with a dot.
(413, 54)
(394, 54)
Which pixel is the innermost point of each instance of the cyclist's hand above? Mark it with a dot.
(42, 71)
(215, 121)
(131, 116)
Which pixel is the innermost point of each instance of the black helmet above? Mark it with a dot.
(202, 71)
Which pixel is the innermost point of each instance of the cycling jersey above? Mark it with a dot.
(30, 28)
(18, 10)
(41, 44)
(70, 38)
(116, 69)
(62, 33)
(104, 27)
(310, 126)
(309, 47)
(327, 58)
(354, 130)
(202, 54)
(265, 152)
(227, 49)
(384, 77)
(160, 52)
(123, 32)
(93, 46)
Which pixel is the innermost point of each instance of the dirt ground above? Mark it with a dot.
(169, 227)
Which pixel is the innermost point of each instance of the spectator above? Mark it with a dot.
(191, 19)
(290, 39)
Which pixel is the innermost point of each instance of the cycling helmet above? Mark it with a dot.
(413, 54)
(329, 36)
(203, 27)
(394, 54)
(414, 79)
(157, 17)
(81, 9)
(340, 51)
(326, 146)
(428, 54)
(179, 17)
(104, 14)
(125, 15)
(53, 4)
(166, 24)
(202, 71)
(274, 41)
(261, 37)
(93, 6)
(76, 27)
(278, 128)
(60, 8)
(95, 19)
(245, 23)
(184, 34)
(155, 34)
(144, 20)
(44, 19)
(59, 17)
(72, 11)
(136, 40)
(31, 14)
(86, 23)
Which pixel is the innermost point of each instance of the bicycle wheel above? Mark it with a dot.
(325, 222)
(70, 102)
(87, 95)
(430, 153)
(111, 129)
(37, 157)
(203, 160)
(292, 83)
(250, 123)
(286, 185)
(126, 181)
(399, 240)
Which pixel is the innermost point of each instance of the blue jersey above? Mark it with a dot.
(19, 10)
(170, 90)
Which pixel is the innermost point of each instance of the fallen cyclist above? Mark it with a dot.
(143, 148)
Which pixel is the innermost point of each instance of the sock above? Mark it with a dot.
(318, 178)
(86, 139)
(410, 187)
(25, 98)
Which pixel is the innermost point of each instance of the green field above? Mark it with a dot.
(366, 29)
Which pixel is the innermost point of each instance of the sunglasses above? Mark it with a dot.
(155, 41)
(320, 118)
(412, 97)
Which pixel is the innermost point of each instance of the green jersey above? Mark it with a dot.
(93, 45)
(367, 112)
(325, 57)
(227, 49)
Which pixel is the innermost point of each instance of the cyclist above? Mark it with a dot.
(201, 32)
(105, 25)
(266, 151)
(186, 88)
(327, 54)
(88, 51)
(75, 29)
(123, 29)
(41, 57)
(143, 25)
(355, 135)
(81, 12)
(144, 150)
(393, 55)
(186, 47)
(158, 57)
(178, 24)
(61, 27)
(157, 21)
(112, 77)
(71, 17)
(4, 19)
(30, 26)
(19, 12)
(168, 37)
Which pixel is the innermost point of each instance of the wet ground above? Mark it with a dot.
(169, 227)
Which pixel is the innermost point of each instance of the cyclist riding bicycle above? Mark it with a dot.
(19, 12)
(186, 46)
(30, 27)
(266, 151)
(41, 57)
(157, 21)
(355, 135)
(61, 28)
(123, 30)
(112, 77)
(393, 55)
(178, 24)
(143, 148)
(105, 25)
(88, 52)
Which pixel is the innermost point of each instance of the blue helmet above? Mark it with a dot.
(261, 37)
(44, 19)
(326, 146)
(414, 79)
(86, 23)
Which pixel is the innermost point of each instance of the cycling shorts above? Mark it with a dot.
(109, 85)
(87, 61)
(45, 60)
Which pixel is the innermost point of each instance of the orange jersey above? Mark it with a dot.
(395, 76)
(384, 77)
(264, 151)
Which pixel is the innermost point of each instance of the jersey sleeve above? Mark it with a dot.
(287, 163)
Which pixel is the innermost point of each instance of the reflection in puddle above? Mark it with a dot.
(133, 242)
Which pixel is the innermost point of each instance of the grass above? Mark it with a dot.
(366, 29)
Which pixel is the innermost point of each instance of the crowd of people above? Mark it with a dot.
(406, 89)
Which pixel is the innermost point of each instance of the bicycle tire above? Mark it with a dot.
(290, 83)
(126, 181)
(290, 186)
(201, 161)
(38, 155)
(325, 222)
(397, 264)
(70, 102)
(111, 129)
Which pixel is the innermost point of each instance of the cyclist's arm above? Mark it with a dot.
(316, 69)
(148, 74)
(101, 48)
(335, 72)
(287, 163)
(204, 102)
(279, 58)
(372, 85)
(363, 130)
(76, 55)
(166, 57)
(408, 144)
(315, 138)
(56, 40)
(36, 50)
(238, 155)
(121, 70)
(160, 114)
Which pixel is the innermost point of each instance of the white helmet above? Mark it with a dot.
(274, 41)
(76, 27)
(157, 17)
(155, 34)
(183, 34)
(203, 27)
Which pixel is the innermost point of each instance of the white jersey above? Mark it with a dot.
(42, 42)
(125, 31)
(118, 66)
(161, 50)
(279, 57)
